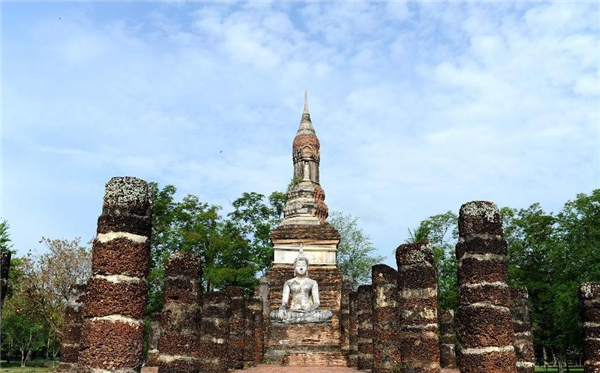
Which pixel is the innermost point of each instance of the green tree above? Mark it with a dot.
(355, 252)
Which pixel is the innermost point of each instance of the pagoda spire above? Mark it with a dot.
(306, 127)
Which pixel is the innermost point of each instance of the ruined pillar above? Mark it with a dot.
(589, 295)
(386, 355)
(181, 315)
(237, 327)
(249, 337)
(153, 337)
(347, 287)
(215, 332)
(483, 319)
(417, 299)
(447, 340)
(365, 328)
(112, 337)
(255, 306)
(524, 352)
(353, 337)
(4, 269)
(69, 346)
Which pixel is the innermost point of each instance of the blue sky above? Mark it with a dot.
(419, 107)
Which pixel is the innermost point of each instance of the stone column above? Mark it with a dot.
(417, 298)
(447, 340)
(347, 287)
(386, 355)
(353, 337)
(365, 328)
(112, 337)
(524, 351)
(69, 346)
(589, 295)
(181, 315)
(153, 337)
(483, 319)
(255, 306)
(249, 337)
(237, 327)
(215, 332)
(4, 269)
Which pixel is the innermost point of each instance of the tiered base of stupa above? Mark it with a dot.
(307, 344)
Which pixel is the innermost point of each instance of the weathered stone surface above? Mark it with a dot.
(112, 335)
(524, 351)
(353, 338)
(153, 338)
(589, 295)
(447, 340)
(181, 315)
(386, 350)
(484, 325)
(255, 305)
(365, 327)
(417, 300)
(213, 354)
(347, 288)
(69, 347)
(237, 327)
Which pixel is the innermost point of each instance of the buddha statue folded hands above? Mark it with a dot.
(304, 293)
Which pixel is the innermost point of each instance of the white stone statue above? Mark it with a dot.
(304, 293)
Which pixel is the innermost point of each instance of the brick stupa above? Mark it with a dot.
(305, 226)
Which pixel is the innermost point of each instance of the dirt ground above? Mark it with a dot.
(280, 369)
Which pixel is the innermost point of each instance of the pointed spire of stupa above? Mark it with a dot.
(306, 127)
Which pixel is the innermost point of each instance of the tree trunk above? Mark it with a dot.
(23, 352)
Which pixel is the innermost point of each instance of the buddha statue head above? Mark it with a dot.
(301, 264)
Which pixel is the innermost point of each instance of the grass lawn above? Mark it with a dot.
(555, 370)
(35, 366)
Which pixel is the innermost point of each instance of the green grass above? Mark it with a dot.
(34, 366)
(555, 370)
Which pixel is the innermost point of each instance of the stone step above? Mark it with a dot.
(314, 358)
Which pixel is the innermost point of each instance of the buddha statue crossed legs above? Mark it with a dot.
(304, 293)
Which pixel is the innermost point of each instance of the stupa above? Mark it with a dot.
(305, 231)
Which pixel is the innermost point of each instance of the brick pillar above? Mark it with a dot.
(589, 295)
(215, 332)
(4, 269)
(365, 328)
(255, 306)
(112, 337)
(386, 355)
(153, 337)
(483, 319)
(69, 346)
(524, 351)
(249, 338)
(353, 337)
(447, 340)
(417, 299)
(237, 327)
(347, 287)
(181, 315)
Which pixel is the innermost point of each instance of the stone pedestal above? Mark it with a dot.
(314, 344)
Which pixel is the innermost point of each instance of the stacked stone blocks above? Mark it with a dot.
(417, 294)
(365, 327)
(113, 327)
(237, 327)
(524, 351)
(353, 334)
(179, 341)
(589, 295)
(255, 307)
(215, 333)
(69, 347)
(447, 340)
(483, 319)
(153, 338)
(386, 353)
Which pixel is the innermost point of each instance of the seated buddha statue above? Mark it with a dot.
(304, 294)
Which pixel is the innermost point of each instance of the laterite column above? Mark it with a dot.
(589, 295)
(417, 295)
(181, 315)
(483, 319)
(249, 336)
(347, 287)
(386, 355)
(237, 325)
(112, 338)
(365, 328)
(215, 332)
(524, 352)
(255, 305)
(69, 346)
(353, 337)
(447, 340)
